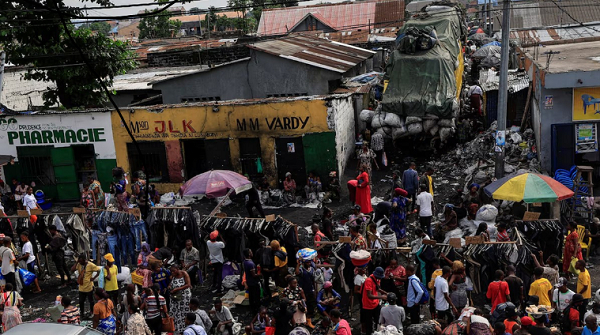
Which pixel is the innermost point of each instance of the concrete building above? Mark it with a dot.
(20, 94)
(286, 67)
(58, 151)
(566, 103)
(260, 137)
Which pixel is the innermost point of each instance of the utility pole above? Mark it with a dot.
(2, 61)
(208, 22)
(503, 89)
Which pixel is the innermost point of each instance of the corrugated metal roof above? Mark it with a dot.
(343, 16)
(546, 13)
(141, 78)
(489, 80)
(317, 52)
(548, 36)
(361, 36)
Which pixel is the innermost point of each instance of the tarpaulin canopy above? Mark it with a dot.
(528, 187)
(425, 82)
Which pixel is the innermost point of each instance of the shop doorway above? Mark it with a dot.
(203, 155)
(290, 158)
(65, 173)
(250, 155)
(563, 146)
(85, 164)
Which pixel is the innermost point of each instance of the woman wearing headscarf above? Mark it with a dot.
(143, 264)
(399, 205)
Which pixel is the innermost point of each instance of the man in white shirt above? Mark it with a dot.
(223, 315)
(474, 94)
(215, 249)
(28, 256)
(29, 201)
(562, 295)
(442, 296)
(425, 209)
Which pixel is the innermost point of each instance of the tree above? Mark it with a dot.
(101, 27)
(195, 11)
(37, 40)
(211, 17)
(158, 26)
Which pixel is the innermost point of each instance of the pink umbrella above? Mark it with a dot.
(216, 183)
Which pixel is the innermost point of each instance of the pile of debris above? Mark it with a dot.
(474, 161)
(393, 126)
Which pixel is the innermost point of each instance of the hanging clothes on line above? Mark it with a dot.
(171, 227)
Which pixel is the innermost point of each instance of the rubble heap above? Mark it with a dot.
(474, 161)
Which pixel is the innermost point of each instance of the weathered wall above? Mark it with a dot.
(342, 112)
(233, 120)
(226, 82)
(262, 76)
(561, 112)
(18, 94)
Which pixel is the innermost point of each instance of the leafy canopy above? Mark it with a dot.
(33, 36)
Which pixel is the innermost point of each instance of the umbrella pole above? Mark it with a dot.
(214, 211)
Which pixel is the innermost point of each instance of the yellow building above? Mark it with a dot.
(268, 137)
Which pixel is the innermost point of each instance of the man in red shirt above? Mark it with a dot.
(498, 291)
(369, 312)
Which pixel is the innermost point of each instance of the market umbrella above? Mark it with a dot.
(528, 187)
(216, 183)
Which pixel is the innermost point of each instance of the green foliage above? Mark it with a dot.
(158, 26)
(36, 39)
(102, 27)
(195, 11)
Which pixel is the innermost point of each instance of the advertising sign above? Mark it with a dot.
(586, 104)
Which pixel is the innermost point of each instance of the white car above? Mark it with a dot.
(50, 329)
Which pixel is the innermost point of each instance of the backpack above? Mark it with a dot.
(425, 297)
(565, 323)
(500, 313)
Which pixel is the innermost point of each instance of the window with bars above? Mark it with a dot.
(153, 162)
(36, 165)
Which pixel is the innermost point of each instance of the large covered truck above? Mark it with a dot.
(425, 75)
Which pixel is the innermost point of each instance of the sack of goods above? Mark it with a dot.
(360, 257)
(306, 254)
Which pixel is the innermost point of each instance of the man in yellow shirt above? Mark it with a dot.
(281, 260)
(85, 280)
(110, 278)
(541, 287)
(584, 286)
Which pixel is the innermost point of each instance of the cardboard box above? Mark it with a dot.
(474, 240)
(22, 213)
(429, 242)
(345, 239)
(35, 211)
(531, 216)
(78, 210)
(455, 242)
(270, 218)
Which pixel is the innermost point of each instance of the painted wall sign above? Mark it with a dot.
(586, 103)
(286, 122)
(58, 130)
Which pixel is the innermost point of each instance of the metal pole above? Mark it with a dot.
(2, 61)
(503, 89)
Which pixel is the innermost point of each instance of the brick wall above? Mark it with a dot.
(193, 57)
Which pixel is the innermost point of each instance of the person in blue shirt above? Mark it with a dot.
(591, 326)
(410, 183)
(328, 299)
(414, 295)
(161, 276)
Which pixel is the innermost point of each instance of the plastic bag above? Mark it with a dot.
(101, 279)
(572, 268)
(26, 276)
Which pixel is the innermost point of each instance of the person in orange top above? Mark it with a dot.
(498, 291)
(512, 319)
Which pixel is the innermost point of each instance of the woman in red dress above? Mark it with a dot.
(572, 247)
(363, 191)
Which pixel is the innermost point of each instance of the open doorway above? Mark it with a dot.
(250, 155)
